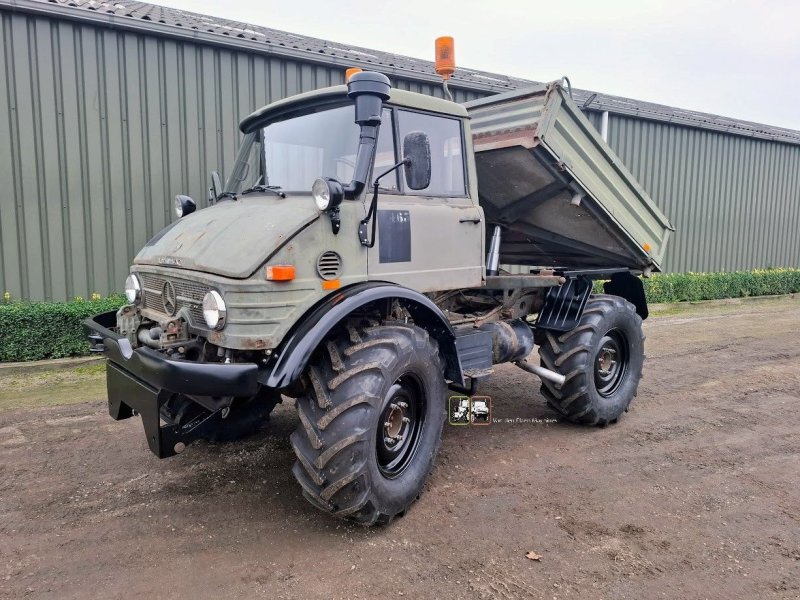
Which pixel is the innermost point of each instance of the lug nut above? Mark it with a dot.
(403, 405)
(406, 420)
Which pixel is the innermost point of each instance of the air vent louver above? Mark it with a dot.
(329, 265)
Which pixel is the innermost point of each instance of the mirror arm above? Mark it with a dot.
(366, 241)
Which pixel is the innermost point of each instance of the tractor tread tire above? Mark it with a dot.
(572, 353)
(342, 401)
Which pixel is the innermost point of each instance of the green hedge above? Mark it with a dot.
(693, 287)
(37, 330)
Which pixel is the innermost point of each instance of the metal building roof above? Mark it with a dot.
(679, 116)
(272, 40)
(180, 23)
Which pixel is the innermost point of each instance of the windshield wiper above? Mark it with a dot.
(223, 195)
(275, 189)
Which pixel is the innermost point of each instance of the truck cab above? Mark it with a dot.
(427, 239)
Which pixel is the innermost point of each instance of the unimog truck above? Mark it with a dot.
(351, 261)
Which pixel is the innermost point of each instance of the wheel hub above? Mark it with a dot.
(396, 422)
(611, 362)
(400, 425)
(606, 361)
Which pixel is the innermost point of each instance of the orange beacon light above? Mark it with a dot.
(445, 57)
(350, 72)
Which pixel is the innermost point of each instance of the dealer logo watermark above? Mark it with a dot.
(470, 410)
(477, 410)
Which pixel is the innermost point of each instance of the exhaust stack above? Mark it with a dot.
(369, 90)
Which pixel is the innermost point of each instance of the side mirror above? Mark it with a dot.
(184, 205)
(216, 187)
(417, 153)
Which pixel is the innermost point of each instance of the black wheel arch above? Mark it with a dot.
(631, 288)
(291, 357)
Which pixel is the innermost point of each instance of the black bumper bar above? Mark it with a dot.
(142, 380)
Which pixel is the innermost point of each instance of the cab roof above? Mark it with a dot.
(338, 93)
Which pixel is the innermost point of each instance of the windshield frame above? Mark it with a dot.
(258, 127)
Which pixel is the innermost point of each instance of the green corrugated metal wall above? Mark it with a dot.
(103, 127)
(734, 200)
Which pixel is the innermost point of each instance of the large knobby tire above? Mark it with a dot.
(357, 456)
(602, 361)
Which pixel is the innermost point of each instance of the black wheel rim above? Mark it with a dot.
(400, 425)
(611, 362)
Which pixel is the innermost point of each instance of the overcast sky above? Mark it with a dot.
(734, 58)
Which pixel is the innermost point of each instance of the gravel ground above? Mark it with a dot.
(693, 494)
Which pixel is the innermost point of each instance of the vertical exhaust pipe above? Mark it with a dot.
(369, 91)
(493, 258)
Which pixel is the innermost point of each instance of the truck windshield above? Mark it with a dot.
(292, 153)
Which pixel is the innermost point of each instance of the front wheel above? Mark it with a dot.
(371, 418)
(602, 361)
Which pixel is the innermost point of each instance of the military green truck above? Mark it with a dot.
(352, 261)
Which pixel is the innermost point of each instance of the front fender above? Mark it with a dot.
(292, 355)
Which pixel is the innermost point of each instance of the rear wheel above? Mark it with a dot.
(371, 418)
(602, 361)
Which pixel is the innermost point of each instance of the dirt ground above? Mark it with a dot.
(695, 493)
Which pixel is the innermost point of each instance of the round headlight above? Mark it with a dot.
(322, 194)
(214, 310)
(184, 205)
(327, 193)
(133, 289)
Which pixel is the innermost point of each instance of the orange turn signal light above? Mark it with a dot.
(445, 56)
(280, 272)
(333, 284)
(646, 247)
(350, 72)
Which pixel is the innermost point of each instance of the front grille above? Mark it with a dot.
(189, 294)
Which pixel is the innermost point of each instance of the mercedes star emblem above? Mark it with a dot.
(169, 298)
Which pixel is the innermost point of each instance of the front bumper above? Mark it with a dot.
(143, 380)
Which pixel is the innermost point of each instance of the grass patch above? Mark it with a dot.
(97, 368)
(755, 304)
(53, 388)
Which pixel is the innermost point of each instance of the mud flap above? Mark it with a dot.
(631, 288)
(563, 305)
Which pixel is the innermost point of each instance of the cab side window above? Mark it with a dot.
(447, 161)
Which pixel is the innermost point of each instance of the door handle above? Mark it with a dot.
(473, 220)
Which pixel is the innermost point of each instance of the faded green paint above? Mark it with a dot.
(227, 246)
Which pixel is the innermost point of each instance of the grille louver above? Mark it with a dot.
(329, 265)
(189, 293)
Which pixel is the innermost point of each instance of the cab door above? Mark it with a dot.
(430, 239)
